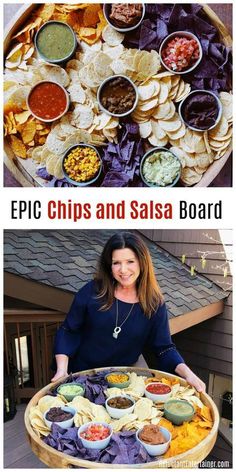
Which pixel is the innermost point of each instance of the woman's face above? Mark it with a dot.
(125, 267)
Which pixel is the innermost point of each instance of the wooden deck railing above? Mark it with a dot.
(28, 341)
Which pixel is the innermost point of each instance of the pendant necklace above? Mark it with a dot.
(117, 328)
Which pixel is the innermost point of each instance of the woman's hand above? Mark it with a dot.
(59, 374)
(197, 383)
(184, 371)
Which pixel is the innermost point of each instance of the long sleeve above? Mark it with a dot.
(161, 343)
(68, 336)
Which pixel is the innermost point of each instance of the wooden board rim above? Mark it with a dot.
(39, 447)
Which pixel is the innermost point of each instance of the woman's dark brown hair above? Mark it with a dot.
(148, 290)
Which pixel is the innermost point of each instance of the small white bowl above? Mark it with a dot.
(185, 34)
(117, 413)
(64, 424)
(106, 12)
(99, 92)
(100, 444)
(156, 397)
(156, 449)
(207, 92)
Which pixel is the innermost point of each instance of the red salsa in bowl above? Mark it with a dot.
(48, 101)
(158, 388)
(158, 392)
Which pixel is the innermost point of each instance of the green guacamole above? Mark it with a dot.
(55, 41)
(71, 390)
(161, 168)
(180, 408)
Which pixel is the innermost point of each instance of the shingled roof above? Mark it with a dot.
(65, 260)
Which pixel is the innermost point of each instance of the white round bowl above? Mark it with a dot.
(117, 413)
(156, 449)
(64, 424)
(106, 11)
(155, 397)
(185, 34)
(100, 444)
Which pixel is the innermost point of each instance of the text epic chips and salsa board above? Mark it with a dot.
(102, 52)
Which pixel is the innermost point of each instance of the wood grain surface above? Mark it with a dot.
(224, 11)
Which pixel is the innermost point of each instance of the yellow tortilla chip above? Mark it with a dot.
(18, 147)
(22, 117)
(28, 132)
(46, 11)
(205, 413)
(48, 401)
(90, 17)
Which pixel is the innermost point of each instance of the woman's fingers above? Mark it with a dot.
(59, 374)
(197, 383)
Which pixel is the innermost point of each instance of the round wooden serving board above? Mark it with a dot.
(56, 459)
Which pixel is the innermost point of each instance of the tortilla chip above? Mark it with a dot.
(18, 147)
(28, 132)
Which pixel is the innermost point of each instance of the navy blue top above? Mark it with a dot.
(86, 335)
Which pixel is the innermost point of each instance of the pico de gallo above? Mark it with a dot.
(96, 432)
(180, 53)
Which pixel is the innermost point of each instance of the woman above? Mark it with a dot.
(114, 316)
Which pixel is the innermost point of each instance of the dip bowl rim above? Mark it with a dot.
(157, 397)
(51, 120)
(65, 423)
(55, 61)
(153, 449)
(87, 182)
(118, 28)
(104, 82)
(182, 33)
(178, 418)
(118, 384)
(219, 105)
(119, 412)
(71, 396)
(152, 151)
(98, 444)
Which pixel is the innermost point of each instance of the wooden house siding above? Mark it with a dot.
(206, 347)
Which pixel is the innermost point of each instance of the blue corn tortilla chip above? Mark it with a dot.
(215, 70)
(122, 449)
(122, 160)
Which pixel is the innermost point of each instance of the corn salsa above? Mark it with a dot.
(117, 378)
(82, 163)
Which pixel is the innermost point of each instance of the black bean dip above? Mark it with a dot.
(200, 110)
(57, 414)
